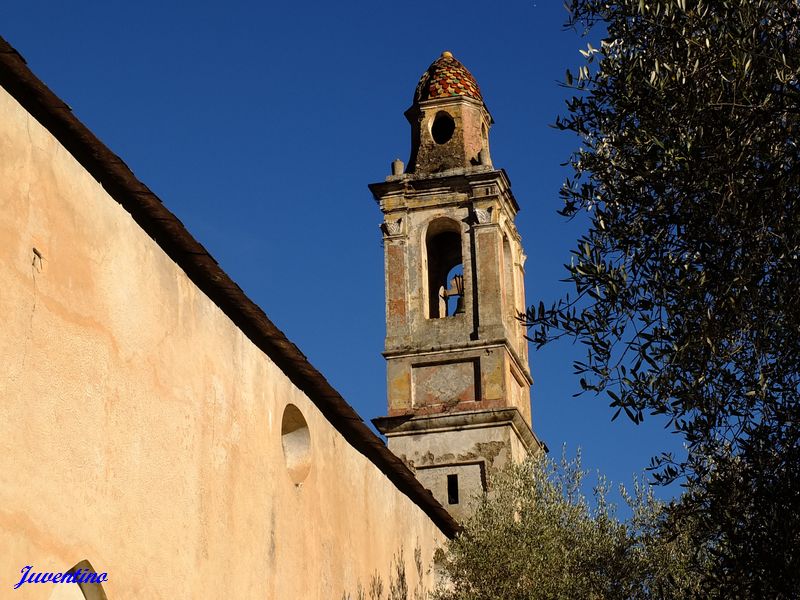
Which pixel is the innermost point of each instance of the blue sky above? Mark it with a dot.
(260, 125)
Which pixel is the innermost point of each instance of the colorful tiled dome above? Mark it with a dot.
(444, 78)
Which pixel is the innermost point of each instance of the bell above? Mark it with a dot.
(458, 287)
(460, 305)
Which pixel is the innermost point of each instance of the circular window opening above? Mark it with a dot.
(442, 128)
(296, 442)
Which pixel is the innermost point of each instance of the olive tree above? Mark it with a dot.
(687, 280)
(536, 536)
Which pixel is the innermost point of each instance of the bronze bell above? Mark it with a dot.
(460, 305)
(458, 286)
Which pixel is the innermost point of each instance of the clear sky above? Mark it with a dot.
(260, 125)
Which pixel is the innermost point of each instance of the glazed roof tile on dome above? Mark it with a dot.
(444, 78)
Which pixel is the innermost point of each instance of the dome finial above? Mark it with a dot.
(447, 54)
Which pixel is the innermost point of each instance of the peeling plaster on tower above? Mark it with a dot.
(458, 381)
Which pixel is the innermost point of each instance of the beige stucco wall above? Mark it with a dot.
(140, 429)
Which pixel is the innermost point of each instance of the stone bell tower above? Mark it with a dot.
(457, 359)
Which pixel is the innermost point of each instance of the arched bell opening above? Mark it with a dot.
(445, 269)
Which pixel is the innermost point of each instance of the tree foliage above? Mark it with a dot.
(537, 537)
(688, 279)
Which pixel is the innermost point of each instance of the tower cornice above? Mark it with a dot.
(475, 183)
(414, 110)
(438, 423)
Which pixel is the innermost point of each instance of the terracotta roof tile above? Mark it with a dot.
(444, 78)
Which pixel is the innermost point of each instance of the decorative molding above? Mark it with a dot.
(483, 215)
(392, 227)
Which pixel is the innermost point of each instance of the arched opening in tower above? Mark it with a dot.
(445, 285)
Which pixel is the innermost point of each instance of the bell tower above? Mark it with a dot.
(457, 360)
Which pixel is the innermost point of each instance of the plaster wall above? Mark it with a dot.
(140, 429)
(470, 480)
(475, 454)
(474, 377)
(495, 445)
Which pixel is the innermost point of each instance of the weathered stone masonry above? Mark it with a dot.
(458, 381)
